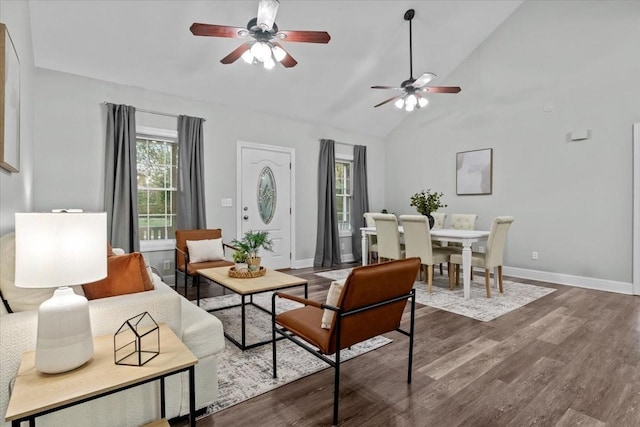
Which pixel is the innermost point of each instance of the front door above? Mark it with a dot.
(264, 186)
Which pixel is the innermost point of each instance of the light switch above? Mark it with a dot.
(227, 203)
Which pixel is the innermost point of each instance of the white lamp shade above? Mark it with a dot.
(60, 249)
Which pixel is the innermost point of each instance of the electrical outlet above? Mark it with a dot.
(534, 255)
(166, 265)
(342, 246)
(481, 249)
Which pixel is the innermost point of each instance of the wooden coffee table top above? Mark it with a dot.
(272, 280)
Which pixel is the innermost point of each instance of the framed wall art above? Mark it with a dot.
(474, 172)
(9, 103)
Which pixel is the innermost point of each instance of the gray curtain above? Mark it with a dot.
(360, 199)
(121, 178)
(327, 241)
(191, 208)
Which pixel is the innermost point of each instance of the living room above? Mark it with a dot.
(550, 69)
(541, 58)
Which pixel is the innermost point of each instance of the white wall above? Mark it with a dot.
(15, 188)
(572, 201)
(70, 132)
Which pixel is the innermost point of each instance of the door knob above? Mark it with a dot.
(246, 217)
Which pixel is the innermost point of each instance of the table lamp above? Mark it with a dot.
(58, 250)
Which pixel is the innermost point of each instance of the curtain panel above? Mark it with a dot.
(360, 199)
(191, 203)
(327, 240)
(121, 178)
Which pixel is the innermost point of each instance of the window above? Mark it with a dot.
(157, 152)
(343, 194)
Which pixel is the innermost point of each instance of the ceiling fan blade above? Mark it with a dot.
(386, 87)
(441, 89)
(211, 30)
(288, 60)
(423, 80)
(393, 98)
(267, 11)
(236, 53)
(304, 36)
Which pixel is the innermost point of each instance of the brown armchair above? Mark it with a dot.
(190, 269)
(371, 303)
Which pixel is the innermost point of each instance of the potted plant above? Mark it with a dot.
(426, 202)
(251, 244)
(240, 258)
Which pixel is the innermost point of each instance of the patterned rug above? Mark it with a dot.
(478, 307)
(243, 375)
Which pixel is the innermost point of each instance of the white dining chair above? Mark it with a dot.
(373, 239)
(389, 246)
(461, 222)
(492, 258)
(439, 222)
(417, 243)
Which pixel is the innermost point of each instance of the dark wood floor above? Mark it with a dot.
(570, 358)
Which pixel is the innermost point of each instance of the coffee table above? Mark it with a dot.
(36, 394)
(272, 281)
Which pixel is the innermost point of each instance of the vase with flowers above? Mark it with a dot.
(426, 202)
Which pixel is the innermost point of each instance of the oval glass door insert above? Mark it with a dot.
(267, 194)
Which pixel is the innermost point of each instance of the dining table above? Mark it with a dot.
(454, 235)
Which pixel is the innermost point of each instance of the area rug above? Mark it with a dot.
(243, 375)
(478, 307)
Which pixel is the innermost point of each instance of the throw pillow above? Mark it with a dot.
(126, 274)
(20, 299)
(332, 299)
(205, 250)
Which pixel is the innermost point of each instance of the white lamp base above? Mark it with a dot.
(64, 332)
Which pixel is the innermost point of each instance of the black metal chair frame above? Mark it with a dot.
(339, 315)
(195, 278)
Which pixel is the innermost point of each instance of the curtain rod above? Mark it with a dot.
(159, 113)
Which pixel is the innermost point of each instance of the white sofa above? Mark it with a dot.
(199, 330)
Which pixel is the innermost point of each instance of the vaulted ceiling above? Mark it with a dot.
(148, 44)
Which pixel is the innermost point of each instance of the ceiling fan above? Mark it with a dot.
(413, 89)
(263, 46)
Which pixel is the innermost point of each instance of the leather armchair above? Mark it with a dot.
(371, 303)
(190, 269)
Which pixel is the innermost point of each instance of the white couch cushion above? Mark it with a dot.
(20, 299)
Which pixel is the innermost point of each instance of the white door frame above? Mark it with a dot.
(292, 175)
(636, 209)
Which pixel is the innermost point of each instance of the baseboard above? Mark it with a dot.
(524, 273)
(307, 263)
(570, 280)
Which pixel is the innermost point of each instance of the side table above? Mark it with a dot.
(35, 394)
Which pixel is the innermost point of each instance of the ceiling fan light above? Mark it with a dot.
(409, 108)
(279, 53)
(261, 51)
(399, 103)
(411, 100)
(247, 56)
(269, 63)
(422, 102)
